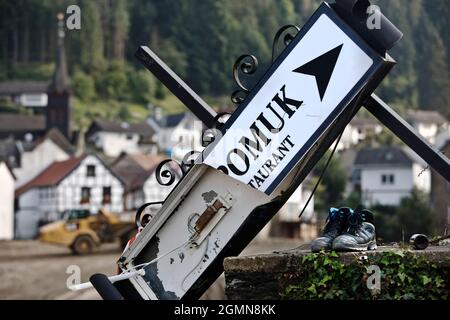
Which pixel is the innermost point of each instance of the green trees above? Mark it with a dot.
(200, 40)
(413, 215)
(332, 188)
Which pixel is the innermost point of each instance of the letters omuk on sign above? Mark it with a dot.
(320, 72)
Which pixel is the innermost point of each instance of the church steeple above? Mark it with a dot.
(59, 95)
(60, 81)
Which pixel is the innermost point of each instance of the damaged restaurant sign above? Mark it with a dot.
(309, 85)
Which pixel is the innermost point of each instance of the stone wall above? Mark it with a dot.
(266, 276)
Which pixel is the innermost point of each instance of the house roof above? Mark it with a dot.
(169, 121)
(7, 147)
(59, 139)
(9, 152)
(141, 128)
(426, 116)
(359, 121)
(11, 122)
(135, 169)
(382, 156)
(52, 175)
(18, 87)
(57, 171)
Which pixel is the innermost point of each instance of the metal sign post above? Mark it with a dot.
(271, 142)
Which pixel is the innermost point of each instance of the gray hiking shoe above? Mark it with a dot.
(336, 223)
(360, 234)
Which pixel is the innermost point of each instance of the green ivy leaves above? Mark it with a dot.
(404, 276)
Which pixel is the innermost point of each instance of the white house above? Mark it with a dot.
(7, 202)
(83, 182)
(385, 175)
(428, 123)
(115, 138)
(26, 93)
(37, 155)
(177, 134)
(358, 130)
(141, 186)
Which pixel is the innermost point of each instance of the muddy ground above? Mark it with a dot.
(32, 270)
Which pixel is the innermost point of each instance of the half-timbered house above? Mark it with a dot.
(84, 182)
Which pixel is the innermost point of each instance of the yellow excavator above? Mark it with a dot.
(82, 231)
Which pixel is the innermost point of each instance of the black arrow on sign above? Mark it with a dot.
(322, 68)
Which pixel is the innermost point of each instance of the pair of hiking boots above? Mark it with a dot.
(347, 230)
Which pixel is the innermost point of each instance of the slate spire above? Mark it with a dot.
(60, 81)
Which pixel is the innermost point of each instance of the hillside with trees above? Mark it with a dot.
(200, 40)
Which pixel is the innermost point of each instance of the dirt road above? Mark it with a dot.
(32, 270)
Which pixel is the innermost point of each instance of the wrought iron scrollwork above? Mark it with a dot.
(246, 64)
(142, 220)
(168, 173)
(283, 36)
(168, 170)
(209, 135)
(189, 160)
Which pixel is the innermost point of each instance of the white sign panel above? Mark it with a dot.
(323, 71)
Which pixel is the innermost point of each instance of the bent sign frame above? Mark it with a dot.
(144, 249)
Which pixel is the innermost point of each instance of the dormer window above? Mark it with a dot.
(388, 179)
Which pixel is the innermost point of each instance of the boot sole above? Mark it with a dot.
(372, 245)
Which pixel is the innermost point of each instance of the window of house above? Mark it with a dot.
(387, 179)
(391, 179)
(106, 195)
(85, 195)
(91, 171)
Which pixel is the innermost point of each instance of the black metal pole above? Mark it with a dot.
(176, 85)
(408, 135)
(104, 287)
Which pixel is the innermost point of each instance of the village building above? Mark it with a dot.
(358, 130)
(83, 182)
(114, 138)
(386, 175)
(30, 94)
(22, 127)
(428, 123)
(177, 134)
(7, 201)
(37, 155)
(141, 185)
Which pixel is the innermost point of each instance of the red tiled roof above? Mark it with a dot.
(52, 175)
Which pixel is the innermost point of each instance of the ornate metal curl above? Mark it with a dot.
(167, 173)
(246, 64)
(289, 31)
(188, 161)
(142, 221)
(209, 135)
